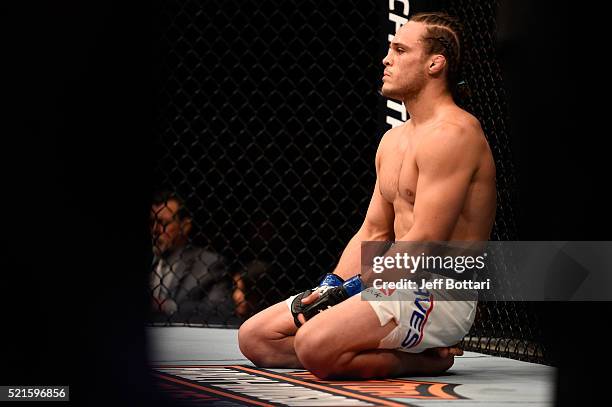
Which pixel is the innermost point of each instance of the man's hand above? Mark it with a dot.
(324, 297)
(309, 296)
(308, 300)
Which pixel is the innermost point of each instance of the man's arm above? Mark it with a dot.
(377, 225)
(447, 161)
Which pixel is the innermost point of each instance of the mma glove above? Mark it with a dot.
(332, 290)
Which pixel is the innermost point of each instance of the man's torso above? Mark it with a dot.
(398, 175)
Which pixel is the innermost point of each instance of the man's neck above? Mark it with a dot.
(425, 106)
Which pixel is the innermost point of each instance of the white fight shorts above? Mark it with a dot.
(423, 321)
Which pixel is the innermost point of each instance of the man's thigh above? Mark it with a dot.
(351, 326)
(274, 322)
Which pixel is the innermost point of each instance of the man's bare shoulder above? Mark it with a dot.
(391, 134)
(458, 128)
(457, 136)
(389, 139)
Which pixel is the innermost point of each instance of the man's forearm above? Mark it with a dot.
(349, 264)
(414, 236)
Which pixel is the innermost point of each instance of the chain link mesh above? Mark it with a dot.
(269, 119)
(504, 328)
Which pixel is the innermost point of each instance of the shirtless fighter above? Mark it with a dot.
(435, 182)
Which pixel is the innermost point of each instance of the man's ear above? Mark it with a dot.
(437, 64)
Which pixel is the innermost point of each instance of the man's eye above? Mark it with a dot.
(400, 50)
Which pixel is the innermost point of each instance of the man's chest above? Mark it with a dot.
(398, 172)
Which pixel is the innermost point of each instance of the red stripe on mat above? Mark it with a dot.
(378, 401)
(214, 391)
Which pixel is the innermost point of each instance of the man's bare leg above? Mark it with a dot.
(383, 363)
(342, 342)
(266, 338)
(431, 361)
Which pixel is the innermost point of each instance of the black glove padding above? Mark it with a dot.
(328, 298)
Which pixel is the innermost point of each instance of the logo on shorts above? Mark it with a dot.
(423, 304)
(387, 291)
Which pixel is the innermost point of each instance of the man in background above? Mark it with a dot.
(187, 282)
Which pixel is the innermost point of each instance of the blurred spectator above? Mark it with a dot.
(249, 288)
(258, 284)
(189, 283)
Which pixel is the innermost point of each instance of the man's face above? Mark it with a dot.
(405, 65)
(167, 229)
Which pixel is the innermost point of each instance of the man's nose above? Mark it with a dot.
(386, 60)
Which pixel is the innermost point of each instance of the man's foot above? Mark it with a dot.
(446, 351)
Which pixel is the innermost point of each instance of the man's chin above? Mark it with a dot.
(389, 93)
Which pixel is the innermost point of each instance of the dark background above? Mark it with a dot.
(78, 91)
(560, 169)
(77, 182)
(267, 125)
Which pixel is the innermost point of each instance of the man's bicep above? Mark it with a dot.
(444, 180)
(439, 203)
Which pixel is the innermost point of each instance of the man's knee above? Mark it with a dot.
(259, 336)
(252, 341)
(312, 347)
